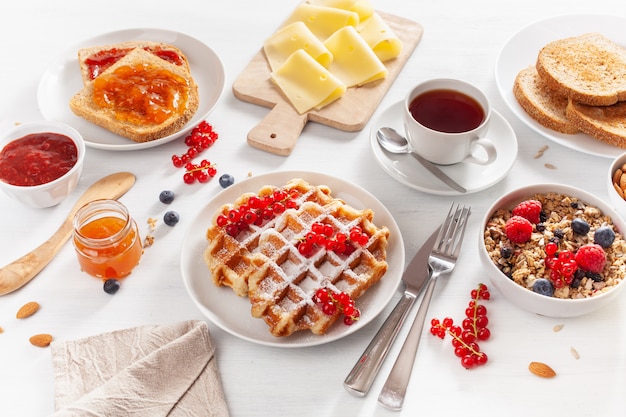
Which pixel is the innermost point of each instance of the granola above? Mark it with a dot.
(525, 263)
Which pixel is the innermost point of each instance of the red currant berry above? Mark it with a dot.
(329, 308)
(468, 336)
(481, 310)
(234, 215)
(551, 248)
(482, 321)
(305, 248)
(467, 362)
(232, 229)
(221, 220)
(447, 322)
(461, 351)
(481, 358)
(484, 333)
(343, 298)
(188, 178)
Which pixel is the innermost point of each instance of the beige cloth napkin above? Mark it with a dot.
(166, 370)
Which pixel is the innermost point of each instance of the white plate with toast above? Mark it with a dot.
(521, 50)
(232, 313)
(63, 79)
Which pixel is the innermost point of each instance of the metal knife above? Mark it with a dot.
(361, 377)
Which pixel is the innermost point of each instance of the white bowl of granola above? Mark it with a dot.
(554, 250)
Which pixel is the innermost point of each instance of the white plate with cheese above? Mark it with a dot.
(63, 79)
(521, 50)
(232, 313)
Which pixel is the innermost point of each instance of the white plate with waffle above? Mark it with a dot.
(63, 79)
(233, 313)
(521, 50)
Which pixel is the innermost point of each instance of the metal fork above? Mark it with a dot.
(442, 260)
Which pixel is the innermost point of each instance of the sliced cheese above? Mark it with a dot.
(321, 20)
(354, 62)
(306, 83)
(379, 36)
(363, 8)
(289, 39)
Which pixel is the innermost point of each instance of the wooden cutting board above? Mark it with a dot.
(278, 132)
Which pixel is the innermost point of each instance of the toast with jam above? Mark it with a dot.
(141, 97)
(95, 60)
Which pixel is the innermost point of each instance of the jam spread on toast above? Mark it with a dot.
(142, 93)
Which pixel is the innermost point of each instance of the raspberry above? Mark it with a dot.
(529, 209)
(518, 229)
(591, 258)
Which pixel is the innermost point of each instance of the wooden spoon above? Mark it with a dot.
(19, 272)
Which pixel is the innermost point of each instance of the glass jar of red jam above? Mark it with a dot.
(106, 239)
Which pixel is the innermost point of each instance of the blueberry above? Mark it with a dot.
(227, 180)
(580, 227)
(595, 277)
(171, 218)
(604, 236)
(166, 197)
(544, 287)
(111, 286)
(506, 252)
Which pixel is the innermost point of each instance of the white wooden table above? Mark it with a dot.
(462, 40)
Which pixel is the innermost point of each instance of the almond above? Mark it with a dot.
(541, 369)
(27, 310)
(40, 340)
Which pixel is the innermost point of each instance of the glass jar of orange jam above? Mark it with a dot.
(106, 239)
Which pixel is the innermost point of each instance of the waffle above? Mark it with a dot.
(264, 263)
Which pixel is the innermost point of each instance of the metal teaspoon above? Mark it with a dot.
(393, 142)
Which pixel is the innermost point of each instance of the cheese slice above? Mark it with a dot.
(363, 8)
(321, 20)
(354, 62)
(379, 36)
(289, 39)
(306, 83)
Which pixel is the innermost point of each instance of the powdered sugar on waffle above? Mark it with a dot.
(281, 281)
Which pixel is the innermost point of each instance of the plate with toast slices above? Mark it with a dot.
(67, 91)
(560, 105)
(291, 276)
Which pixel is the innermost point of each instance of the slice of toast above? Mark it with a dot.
(95, 60)
(542, 104)
(590, 69)
(605, 123)
(83, 104)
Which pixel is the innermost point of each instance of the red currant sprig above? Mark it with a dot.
(473, 329)
(331, 302)
(200, 138)
(562, 265)
(201, 172)
(257, 210)
(323, 235)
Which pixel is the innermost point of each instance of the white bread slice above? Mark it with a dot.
(590, 69)
(83, 105)
(605, 123)
(542, 104)
(163, 50)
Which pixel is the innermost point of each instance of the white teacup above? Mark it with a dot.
(446, 121)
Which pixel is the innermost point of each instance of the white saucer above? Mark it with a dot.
(473, 177)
